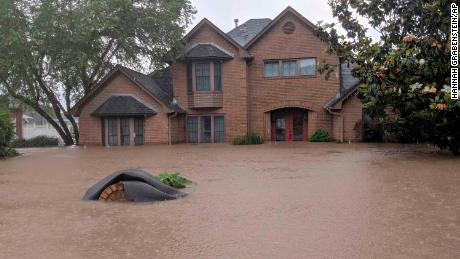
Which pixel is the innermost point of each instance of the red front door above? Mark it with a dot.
(289, 125)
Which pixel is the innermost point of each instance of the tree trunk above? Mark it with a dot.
(58, 110)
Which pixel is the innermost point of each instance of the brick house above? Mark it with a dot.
(260, 77)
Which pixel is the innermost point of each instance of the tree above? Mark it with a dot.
(406, 72)
(4, 102)
(54, 51)
(6, 134)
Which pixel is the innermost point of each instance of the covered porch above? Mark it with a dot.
(122, 120)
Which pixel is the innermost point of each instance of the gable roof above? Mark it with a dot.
(339, 97)
(119, 105)
(144, 81)
(274, 21)
(347, 79)
(163, 77)
(248, 30)
(149, 84)
(204, 22)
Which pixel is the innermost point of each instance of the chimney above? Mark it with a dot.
(236, 22)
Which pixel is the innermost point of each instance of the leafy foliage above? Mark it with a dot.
(54, 51)
(248, 139)
(6, 134)
(404, 78)
(174, 179)
(320, 135)
(39, 141)
(4, 102)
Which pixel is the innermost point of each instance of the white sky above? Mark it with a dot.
(223, 12)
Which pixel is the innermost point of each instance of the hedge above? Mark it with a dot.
(320, 135)
(39, 141)
(248, 139)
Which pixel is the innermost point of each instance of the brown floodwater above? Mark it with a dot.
(302, 200)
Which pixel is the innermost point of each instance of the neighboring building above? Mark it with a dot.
(30, 124)
(35, 125)
(260, 77)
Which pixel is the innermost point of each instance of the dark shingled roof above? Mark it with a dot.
(149, 83)
(207, 51)
(348, 84)
(348, 80)
(164, 79)
(248, 30)
(123, 106)
(158, 84)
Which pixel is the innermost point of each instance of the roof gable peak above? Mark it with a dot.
(141, 80)
(205, 21)
(286, 11)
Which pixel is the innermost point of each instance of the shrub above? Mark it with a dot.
(173, 179)
(39, 141)
(248, 139)
(6, 135)
(320, 135)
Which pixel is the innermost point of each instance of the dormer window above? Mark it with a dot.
(204, 76)
(204, 67)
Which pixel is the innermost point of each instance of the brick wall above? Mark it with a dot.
(309, 92)
(352, 113)
(337, 128)
(155, 127)
(234, 84)
(178, 129)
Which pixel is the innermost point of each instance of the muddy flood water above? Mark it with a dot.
(299, 200)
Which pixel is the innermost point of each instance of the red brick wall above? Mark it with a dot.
(352, 113)
(234, 84)
(337, 128)
(178, 129)
(155, 127)
(309, 92)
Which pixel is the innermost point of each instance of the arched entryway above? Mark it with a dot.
(289, 124)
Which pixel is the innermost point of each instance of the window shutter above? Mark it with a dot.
(217, 76)
(189, 78)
